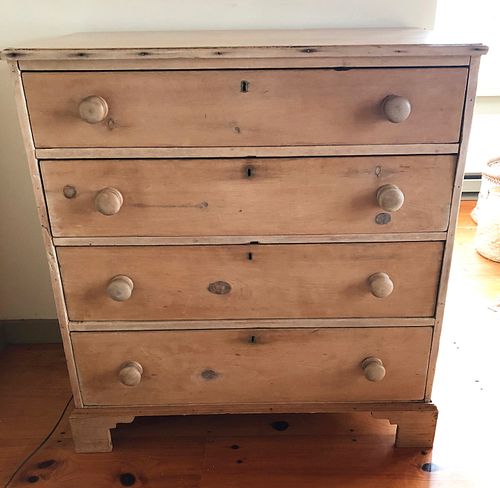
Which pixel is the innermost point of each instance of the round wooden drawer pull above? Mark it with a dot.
(390, 198)
(397, 109)
(108, 201)
(381, 285)
(93, 109)
(120, 288)
(130, 373)
(373, 368)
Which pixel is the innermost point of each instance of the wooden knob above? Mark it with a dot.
(390, 198)
(373, 368)
(108, 201)
(381, 285)
(397, 109)
(120, 288)
(93, 109)
(130, 373)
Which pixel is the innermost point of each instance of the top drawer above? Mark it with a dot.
(243, 107)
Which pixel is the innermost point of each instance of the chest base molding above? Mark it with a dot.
(416, 421)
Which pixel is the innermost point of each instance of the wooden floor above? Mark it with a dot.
(275, 451)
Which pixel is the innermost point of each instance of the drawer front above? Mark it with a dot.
(244, 107)
(229, 367)
(247, 196)
(252, 281)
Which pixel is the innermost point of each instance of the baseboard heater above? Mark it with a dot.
(471, 186)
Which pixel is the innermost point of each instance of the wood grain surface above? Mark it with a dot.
(281, 107)
(265, 281)
(36, 181)
(136, 61)
(229, 367)
(319, 451)
(261, 43)
(220, 197)
(245, 151)
(34, 389)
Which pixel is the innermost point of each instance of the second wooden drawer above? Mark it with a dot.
(342, 195)
(251, 282)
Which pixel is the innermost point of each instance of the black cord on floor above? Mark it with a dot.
(46, 438)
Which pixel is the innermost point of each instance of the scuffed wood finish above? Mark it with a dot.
(50, 250)
(271, 281)
(90, 326)
(261, 407)
(91, 433)
(247, 196)
(238, 152)
(416, 422)
(176, 449)
(313, 450)
(281, 107)
(140, 63)
(415, 428)
(251, 273)
(245, 239)
(280, 366)
(302, 43)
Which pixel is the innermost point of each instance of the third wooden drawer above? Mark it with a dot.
(217, 197)
(251, 281)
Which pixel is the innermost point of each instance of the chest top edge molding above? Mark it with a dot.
(230, 44)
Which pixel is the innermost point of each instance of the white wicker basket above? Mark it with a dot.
(491, 178)
(487, 213)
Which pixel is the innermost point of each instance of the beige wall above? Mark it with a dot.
(24, 285)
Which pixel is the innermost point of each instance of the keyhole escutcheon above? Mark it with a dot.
(244, 86)
(249, 171)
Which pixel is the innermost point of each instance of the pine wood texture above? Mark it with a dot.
(414, 428)
(289, 43)
(416, 422)
(91, 433)
(127, 325)
(137, 61)
(344, 449)
(41, 207)
(349, 93)
(249, 239)
(245, 151)
(34, 389)
(246, 196)
(280, 366)
(310, 450)
(280, 107)
(271, 281)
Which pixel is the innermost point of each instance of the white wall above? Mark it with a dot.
(484, 143)
(24, 285)
(479, 19)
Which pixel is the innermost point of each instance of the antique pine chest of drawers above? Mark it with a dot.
(248, 221)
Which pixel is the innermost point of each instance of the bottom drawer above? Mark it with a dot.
(251, 366)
